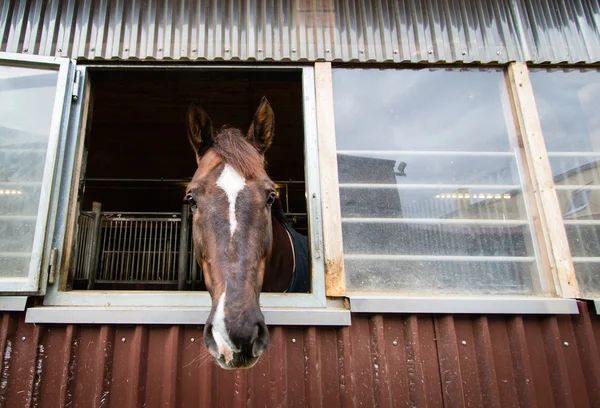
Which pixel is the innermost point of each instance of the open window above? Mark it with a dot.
(123, 241)
(133, 233)
(33, 96)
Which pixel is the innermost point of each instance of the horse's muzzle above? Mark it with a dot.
(250, 342)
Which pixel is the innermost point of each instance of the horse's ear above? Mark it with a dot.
(199, 129)
(262, 129)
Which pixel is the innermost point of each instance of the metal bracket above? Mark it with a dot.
(52, 266)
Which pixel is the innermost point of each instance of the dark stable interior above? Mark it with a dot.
(139, 159)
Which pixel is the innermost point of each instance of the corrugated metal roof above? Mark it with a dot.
(563, 31)
(381, 360)
(305, 30)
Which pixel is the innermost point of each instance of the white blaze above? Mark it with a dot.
(232, 183)
(219, 331)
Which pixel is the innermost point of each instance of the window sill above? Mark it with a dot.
(596, 305)
(369, 303)
(13, 303)
(333, 315)
(170, 299)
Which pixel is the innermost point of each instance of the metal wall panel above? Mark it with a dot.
(381, 360)
(305, 30)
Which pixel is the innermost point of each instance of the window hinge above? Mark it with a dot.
(52, 266)
(76, 85)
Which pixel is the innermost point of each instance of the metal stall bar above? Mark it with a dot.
(86, 221)
(94, 247)
(142, 248)
(183, 247)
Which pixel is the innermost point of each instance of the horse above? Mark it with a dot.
(241, 238)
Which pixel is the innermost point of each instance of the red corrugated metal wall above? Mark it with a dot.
(381, 360)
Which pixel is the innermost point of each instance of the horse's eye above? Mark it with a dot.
(271, 198)
(190, 200)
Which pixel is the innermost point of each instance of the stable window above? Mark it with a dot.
(132, 161)
(567, 101)
(434, 192)
(33, 92)
(422, 195)
(132, 227)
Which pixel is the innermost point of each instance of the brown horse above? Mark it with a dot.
(242, 241)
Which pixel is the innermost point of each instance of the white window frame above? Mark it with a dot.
(185, 307)
(35, 281)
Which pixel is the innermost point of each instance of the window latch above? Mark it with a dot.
(52, 266)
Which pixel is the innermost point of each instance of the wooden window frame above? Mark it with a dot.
(549, 227)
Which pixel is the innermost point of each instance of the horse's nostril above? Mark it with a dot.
(255, 333)
(260, 340)
(209, 340)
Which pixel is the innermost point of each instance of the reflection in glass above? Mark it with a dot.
(432, 201)
(428, 167)
(430, 183)
(26, 105)
(567, 102)
(420, 110)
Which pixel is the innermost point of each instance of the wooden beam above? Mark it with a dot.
(335, 283)
(549, 227)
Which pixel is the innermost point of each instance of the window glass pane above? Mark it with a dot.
(431, 183)
(26, 105)
(567, 102)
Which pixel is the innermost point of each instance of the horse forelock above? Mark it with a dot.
(231, 145)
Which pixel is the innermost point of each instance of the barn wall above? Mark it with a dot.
(305, 30)
(381, 360)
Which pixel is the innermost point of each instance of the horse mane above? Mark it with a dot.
(240, 154)
(235, 150)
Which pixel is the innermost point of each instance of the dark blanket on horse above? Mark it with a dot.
(300, 282)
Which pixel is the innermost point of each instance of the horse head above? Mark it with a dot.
(230, 197)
